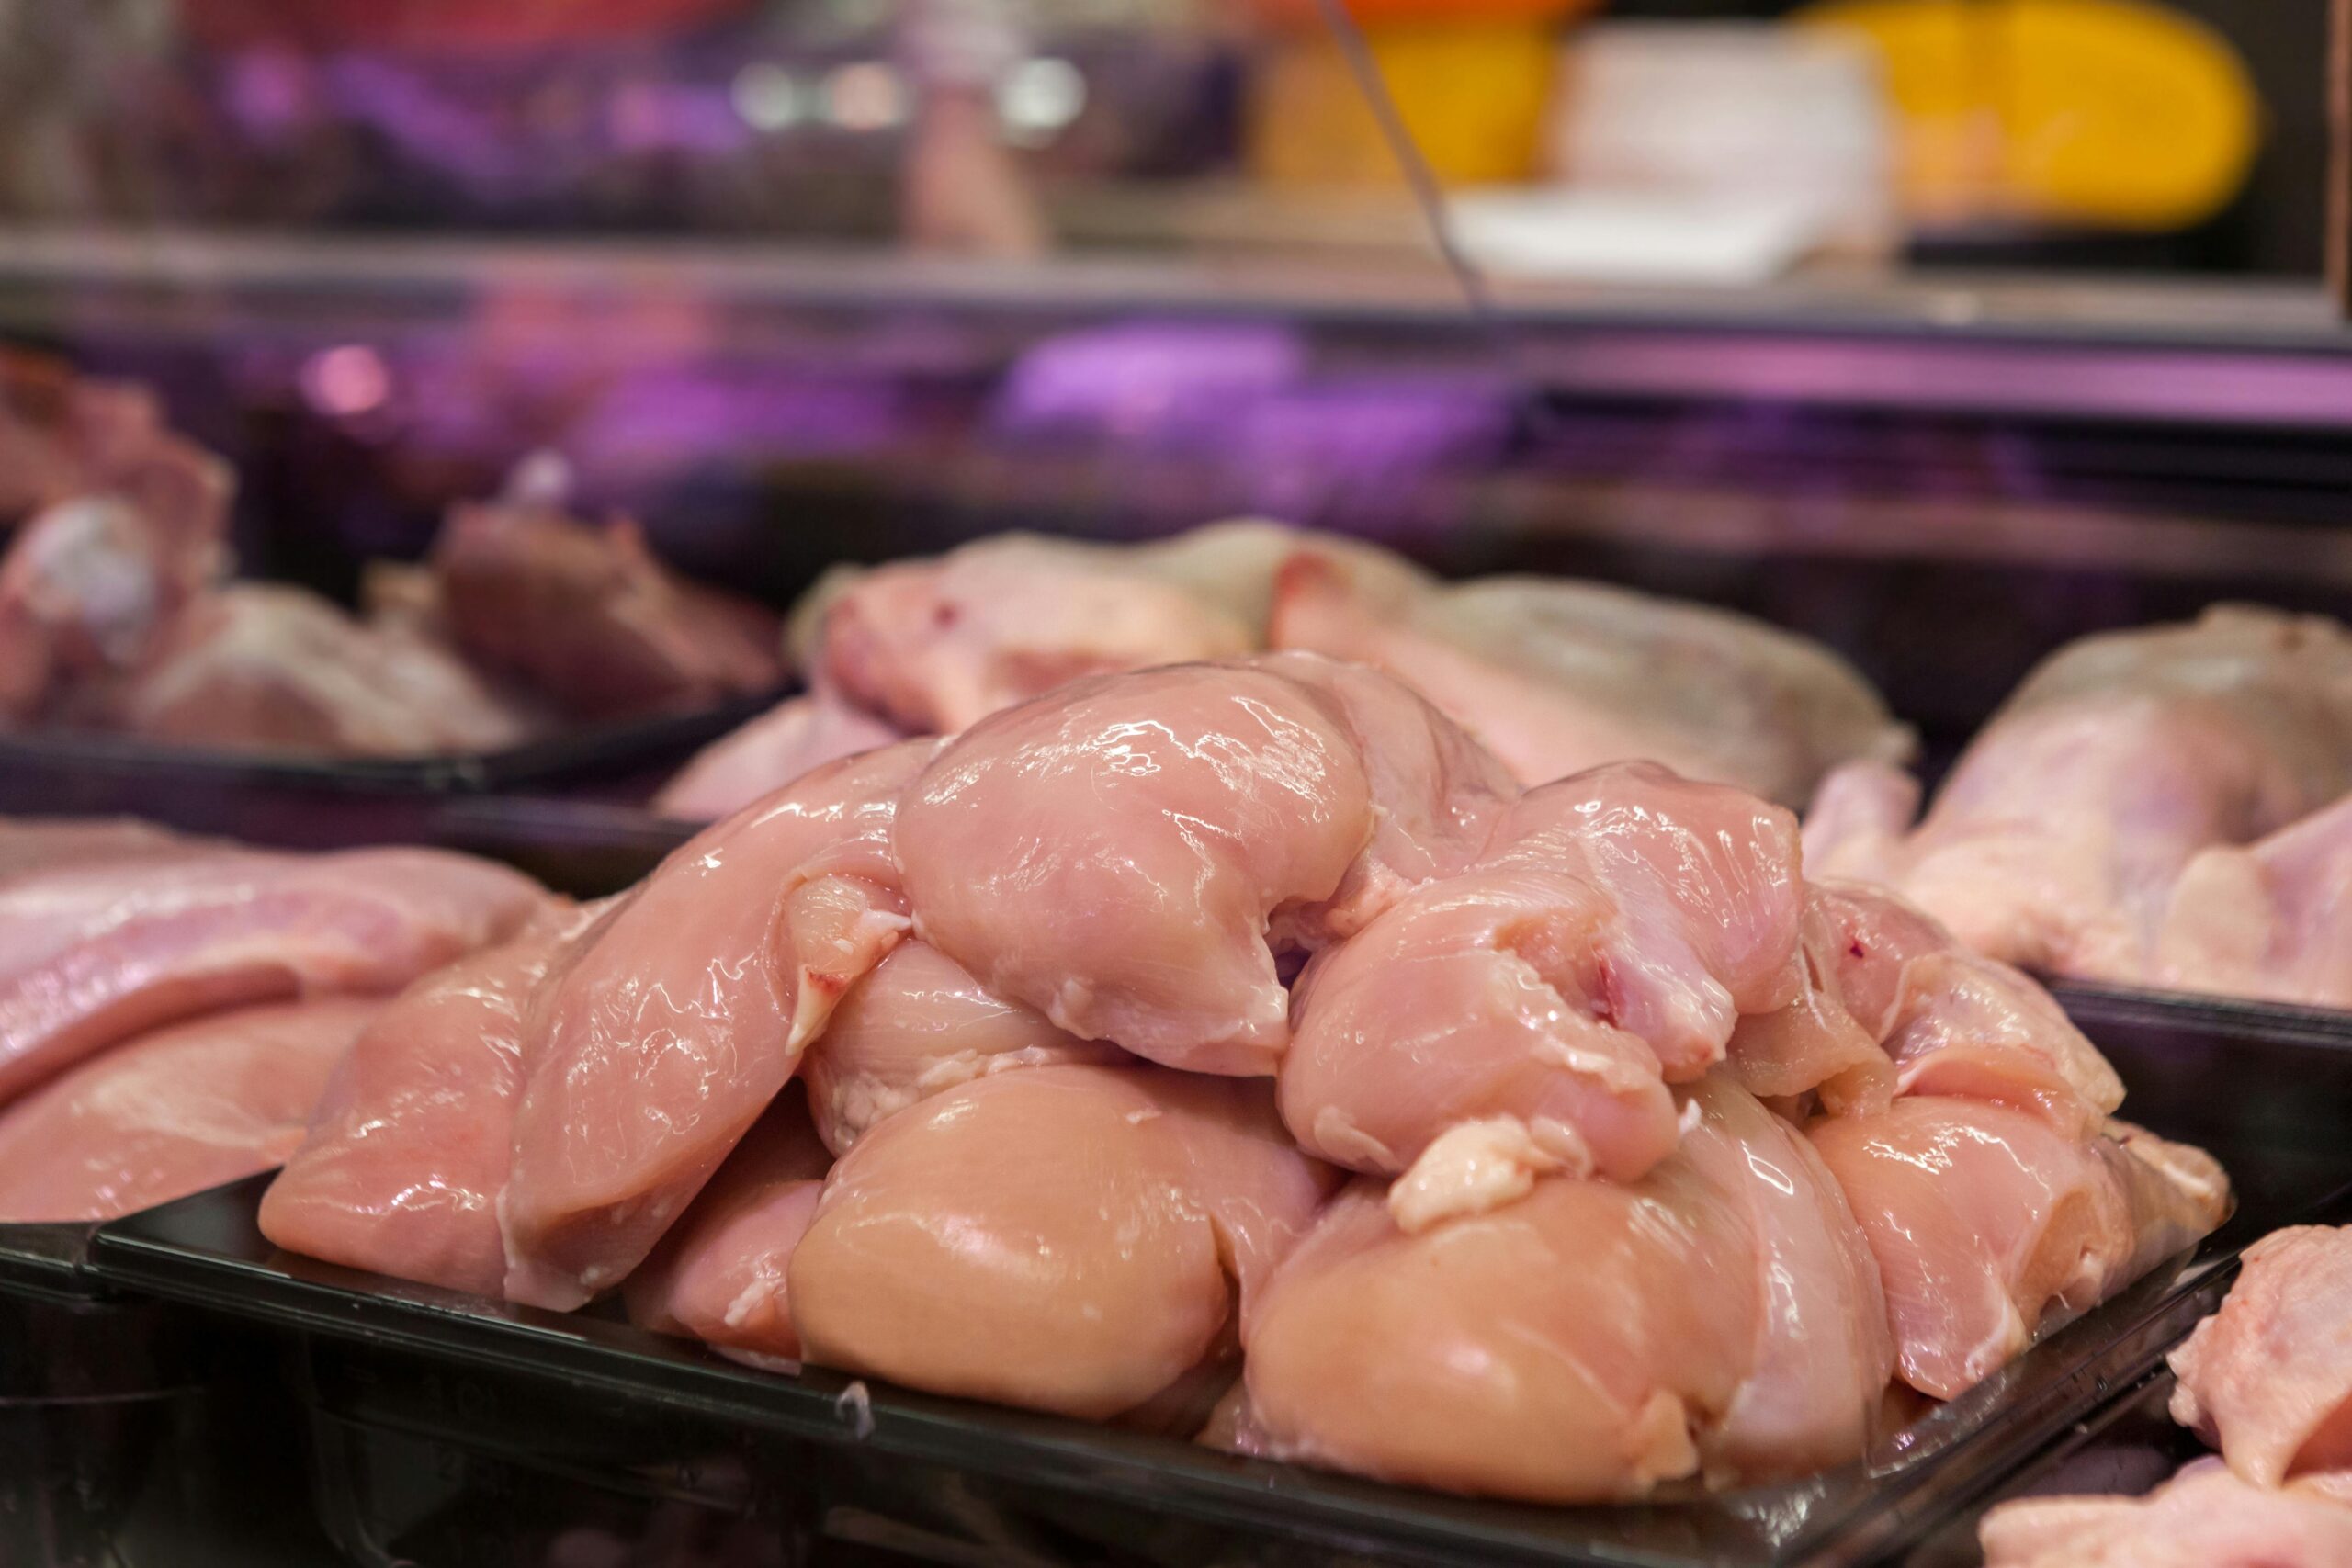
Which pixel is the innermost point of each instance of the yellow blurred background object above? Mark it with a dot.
(2114, 113)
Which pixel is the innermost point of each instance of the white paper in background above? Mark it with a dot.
(1665, 237)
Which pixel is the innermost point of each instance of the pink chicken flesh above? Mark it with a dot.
(719, 1275)
(1604, 944)
(2203, 1518)
(91, 954)
(918, 1026)
(172, 1112)
(405, 1159)
(2268, 1378)
(1989, 1225)
(678, 1023)
(790, 740)
(1590, 1340)
(2272, 919)
(951, 1252)
(1114, 854)
(1558, 676)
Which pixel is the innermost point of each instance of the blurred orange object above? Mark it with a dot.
(1473, 92)
(443, 25)
(2119, 113)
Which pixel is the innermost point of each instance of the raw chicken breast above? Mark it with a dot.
(1956, 1023)
(91, 954)
(1989, 1225)
(1114, 854)
(172, 1112)
(1604, 944)
(1823, 1350)
(2058, 840)
(719, 1275)
(933, 647)
(2267, 1379)
(589, 617)
(768, 753)
(678, 1023)
(2271, 919)
(917, 1026)
(1558, 676)
(1589, 1340)
(1814, 1044)
(2203, 1518)
(1563, 1348)
(1069, 1238)
(404, 1161)
(271, 668)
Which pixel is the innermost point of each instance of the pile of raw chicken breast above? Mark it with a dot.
(1232, 1048)
(2168, 807)
(118, 613)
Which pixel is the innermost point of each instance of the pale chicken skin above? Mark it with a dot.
(91, 954)
(1558, 676)
(719, 1275)
(403, 1164)
(1114, 854)
(670, 1032)
(794, 738)
(2060, 837)
(172, 1112)
(2205, 1517)
(2267, 1379)
(915, 1027)
(1603, 945)
(1990, 1225)
(1588, 1340)
(946, 1255)
(2271, 919)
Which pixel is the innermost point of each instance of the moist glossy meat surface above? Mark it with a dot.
(173, 1111)
(2269, 1377)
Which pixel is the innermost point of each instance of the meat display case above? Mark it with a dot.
(2007, 465)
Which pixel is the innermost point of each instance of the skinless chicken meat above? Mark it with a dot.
(1558, 676)
(2061, 835)
(2267, 1379)
(719, 1275)
(172, 1112)
(404, 1163)
(1606, 943)
(1990, 1225)
(1114, 854)
(92, 954)
(589, 616)
(1088, 1281)
(29, 844)
(795, 736)
(263, 667)
(918, 1026)
(1590, 1340)
(677, 1025)
(2203, 1518)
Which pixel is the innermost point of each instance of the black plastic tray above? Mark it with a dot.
(37, 768)
(577, 1400)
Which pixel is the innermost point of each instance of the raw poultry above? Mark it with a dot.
(117, 613)
(2156, 808)
(1552, 676)
(1238, 1034)
(2268, 1380)
(170, 1008)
